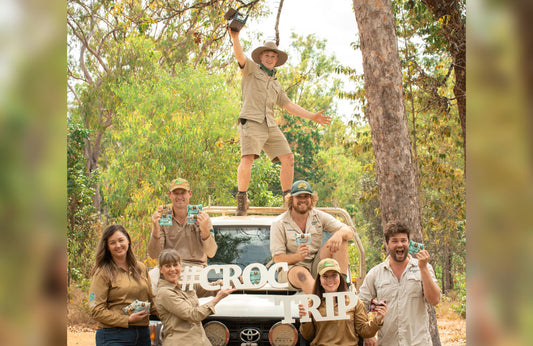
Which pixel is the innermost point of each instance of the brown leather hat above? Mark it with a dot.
(271, 46)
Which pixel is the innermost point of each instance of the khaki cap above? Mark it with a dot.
(328, 264)
(179, 183)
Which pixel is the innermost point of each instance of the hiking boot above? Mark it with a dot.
(283, 201)
(242, 204)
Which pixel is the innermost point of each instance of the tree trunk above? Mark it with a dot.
(447, 269)
(396, 174)
(386, 114)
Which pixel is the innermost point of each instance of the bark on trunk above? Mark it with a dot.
(386, 114)
(396, 174)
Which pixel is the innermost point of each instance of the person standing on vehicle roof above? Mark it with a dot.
(302, 221)
(258, 129)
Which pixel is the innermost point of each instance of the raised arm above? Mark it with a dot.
(237, 47)
(431, 289)
(156, 242)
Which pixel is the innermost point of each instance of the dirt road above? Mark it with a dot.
(452, 333)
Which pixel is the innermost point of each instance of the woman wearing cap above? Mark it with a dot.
(338, 332)
(179, 310)
(258, 129)
(118, 280)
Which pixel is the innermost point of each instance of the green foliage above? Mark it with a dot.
(264, 183)
(81, 237)
(436, 137)
(311, 84)
(460, 288)
(157, 100)
(167, 127)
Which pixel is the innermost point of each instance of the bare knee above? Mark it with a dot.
(247, 160)
(298, 276)
(287, 160)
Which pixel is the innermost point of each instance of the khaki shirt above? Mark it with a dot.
(340, 332)
(284, 229)
(107, 297)
(406, 322)
(186, 239)
(260, 92)
(182, 315)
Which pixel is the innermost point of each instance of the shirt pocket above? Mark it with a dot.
(171, 235)
(291, 240)
(260, 82)
(274, 92)
(414, 286)
(386, 290)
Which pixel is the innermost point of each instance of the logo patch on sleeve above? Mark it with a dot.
(92, 303)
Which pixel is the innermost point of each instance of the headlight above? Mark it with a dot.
(283, 335)
(156, 332)
(152, 332)
(217, 333)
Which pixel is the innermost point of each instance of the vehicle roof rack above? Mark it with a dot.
(339, 212)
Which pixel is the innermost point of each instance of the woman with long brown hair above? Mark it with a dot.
(338, 332)
(118, 280)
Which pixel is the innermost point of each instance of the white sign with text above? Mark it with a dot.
(234, 276)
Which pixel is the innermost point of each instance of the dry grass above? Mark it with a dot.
(81, 327)
(78, 310)
(452, 327)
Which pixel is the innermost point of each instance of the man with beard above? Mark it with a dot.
(296, 238)
(406, 284)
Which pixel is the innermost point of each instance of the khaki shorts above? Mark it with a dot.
(312, 267)
(256, 136)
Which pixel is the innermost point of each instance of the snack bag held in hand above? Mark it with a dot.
(136, 306)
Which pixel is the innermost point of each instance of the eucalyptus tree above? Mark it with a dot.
(395, 166)
(100, 54)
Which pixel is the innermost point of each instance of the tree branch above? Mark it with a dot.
(276, 28)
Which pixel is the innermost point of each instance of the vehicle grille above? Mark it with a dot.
(236, 325)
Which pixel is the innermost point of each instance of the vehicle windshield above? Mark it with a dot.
(241, 245)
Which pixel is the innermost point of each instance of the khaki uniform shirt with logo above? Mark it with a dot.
(107, 297)
(340, 332)
(182, 315)
(260, 92)
(186, 239)
(406, 322)
(284, 229)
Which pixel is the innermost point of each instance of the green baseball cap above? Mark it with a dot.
(301, 186)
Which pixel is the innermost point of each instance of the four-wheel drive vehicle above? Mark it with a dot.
(252, 316)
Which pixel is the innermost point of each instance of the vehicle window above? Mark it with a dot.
(241, 245)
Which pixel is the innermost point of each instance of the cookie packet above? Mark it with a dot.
(136, 306)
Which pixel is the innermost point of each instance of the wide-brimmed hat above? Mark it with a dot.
(179, 183)
(282, 56)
